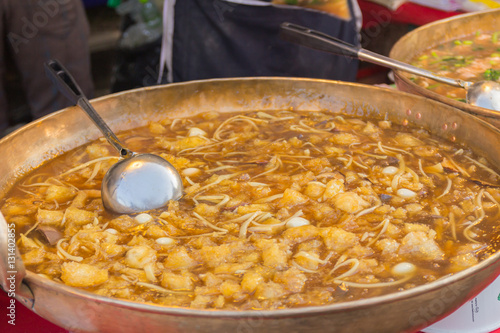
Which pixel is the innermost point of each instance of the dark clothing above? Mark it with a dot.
(36, 31)
(223, 38)
(216, 38)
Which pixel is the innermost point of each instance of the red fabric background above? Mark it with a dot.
(26, 320)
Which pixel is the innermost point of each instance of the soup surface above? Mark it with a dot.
(473, 58)
(281, 209)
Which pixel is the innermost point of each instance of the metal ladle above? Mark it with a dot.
(485, 94)
(137, 183)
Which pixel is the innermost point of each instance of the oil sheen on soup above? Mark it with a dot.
(281, 209)
(473, 58)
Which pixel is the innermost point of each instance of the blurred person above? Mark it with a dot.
(35, 31)
(231, 38)
(204, 39)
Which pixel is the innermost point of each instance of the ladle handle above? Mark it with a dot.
(317, 40)
(323, 42)
(65, 83)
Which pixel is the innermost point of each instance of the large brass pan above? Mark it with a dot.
(439, 32)
(79, 311)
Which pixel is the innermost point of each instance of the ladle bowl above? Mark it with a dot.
(485, 94)
(140, 183)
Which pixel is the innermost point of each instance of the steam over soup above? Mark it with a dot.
(473, 58)
(281, 209)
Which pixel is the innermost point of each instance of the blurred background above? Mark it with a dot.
(105, 32)
(383, 23)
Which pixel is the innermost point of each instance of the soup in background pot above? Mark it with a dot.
(472, 58)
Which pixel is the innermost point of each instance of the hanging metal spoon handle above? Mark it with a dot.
(69, 88)
(323, 42)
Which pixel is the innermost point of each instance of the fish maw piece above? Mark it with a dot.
(49, 217)
(179, 259)
(82, 275)
(79, 216)
(292, 198)
(172, 281)
(420, 245)
(350, 202)
(275, 256)
(338, 240)
(60, 193)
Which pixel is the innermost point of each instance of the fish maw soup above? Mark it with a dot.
(281, 210)
(473, 58)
